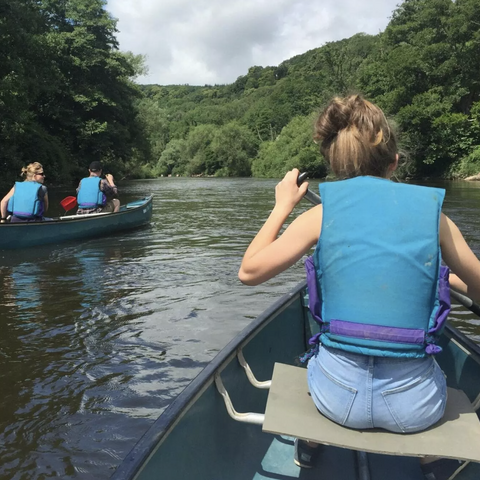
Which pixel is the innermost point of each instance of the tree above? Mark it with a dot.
(294, 148)
(233, 147)
(22, 62)
(66, 92)
(173, 159)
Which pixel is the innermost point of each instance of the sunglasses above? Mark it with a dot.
(42, 174)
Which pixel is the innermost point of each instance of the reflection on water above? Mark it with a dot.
(98, 337)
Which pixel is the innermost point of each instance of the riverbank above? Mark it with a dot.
(473, 178)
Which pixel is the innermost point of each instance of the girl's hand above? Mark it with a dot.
(287, 193)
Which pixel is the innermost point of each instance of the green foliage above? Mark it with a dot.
(233, 146)
(426, 73)
(293, 148)
(173, 159)
(469, 165)
(209, 150)
(67, 97)
(66, 93)
(155, 124)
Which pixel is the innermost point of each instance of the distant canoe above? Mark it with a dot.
(75, 227)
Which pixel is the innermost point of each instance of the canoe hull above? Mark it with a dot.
(196, 438)
(63, 229)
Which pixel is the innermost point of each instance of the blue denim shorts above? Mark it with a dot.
(397, 394)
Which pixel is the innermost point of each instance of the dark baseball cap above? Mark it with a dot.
(95, 166)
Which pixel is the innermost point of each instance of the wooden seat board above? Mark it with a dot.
(291, 411)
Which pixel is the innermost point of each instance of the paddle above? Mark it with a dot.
(310, 196)
(68, 203)
(467, 302)
(463, 300)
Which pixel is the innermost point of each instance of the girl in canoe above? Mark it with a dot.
(382, 293)
(27, 200)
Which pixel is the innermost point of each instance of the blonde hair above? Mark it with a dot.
(355, 138)
(31, 170)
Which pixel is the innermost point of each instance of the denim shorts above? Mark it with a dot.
(397, 394)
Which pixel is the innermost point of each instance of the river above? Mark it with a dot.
(99, 336)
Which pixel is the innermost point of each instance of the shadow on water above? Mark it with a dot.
(98, 337)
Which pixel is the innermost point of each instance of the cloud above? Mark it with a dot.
(201, 42)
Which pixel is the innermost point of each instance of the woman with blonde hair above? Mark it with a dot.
(383, 294)
(27, 201)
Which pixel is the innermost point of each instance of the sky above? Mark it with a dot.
(208, 42)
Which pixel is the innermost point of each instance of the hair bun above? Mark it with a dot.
(355, 137)
(336, 117)
(340, 114)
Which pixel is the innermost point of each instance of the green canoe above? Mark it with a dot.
(233, 423)
(75, 227)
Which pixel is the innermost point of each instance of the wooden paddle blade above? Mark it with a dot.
(68, 203)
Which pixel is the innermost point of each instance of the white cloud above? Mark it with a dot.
(215, 41)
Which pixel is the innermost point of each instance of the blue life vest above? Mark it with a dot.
(25, 202)
(90, 195)
(377, 269)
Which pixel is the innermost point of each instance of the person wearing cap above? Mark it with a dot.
(95, 194)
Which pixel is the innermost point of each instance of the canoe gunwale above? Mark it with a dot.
(466, 343)
(25, 235)
(79, 218)
(153, 438)
(131, 466)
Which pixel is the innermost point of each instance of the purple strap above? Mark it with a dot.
(314, 303)
(377, 332)
(442, 311)
(24, 214)
(444, 301)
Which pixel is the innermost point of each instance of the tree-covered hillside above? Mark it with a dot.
(424, 70)
(67, 97)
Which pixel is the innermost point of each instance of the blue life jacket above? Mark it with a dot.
(90, 195)
(376, 285)
(25, 202)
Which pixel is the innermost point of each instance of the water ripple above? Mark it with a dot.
(100, 336)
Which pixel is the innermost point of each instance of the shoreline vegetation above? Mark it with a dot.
(68, 97)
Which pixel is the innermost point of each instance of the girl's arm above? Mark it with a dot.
(268, 255)
(45, 203)
(463, 263)
(4, 203)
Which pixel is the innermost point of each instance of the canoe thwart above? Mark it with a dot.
(291, 411)
(253, 418)
(248, 371)
(84, 215)
(363, 466)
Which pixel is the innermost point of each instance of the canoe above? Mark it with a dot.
(216, 429)
(75, 227)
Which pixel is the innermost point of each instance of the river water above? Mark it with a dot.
(99, 336)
